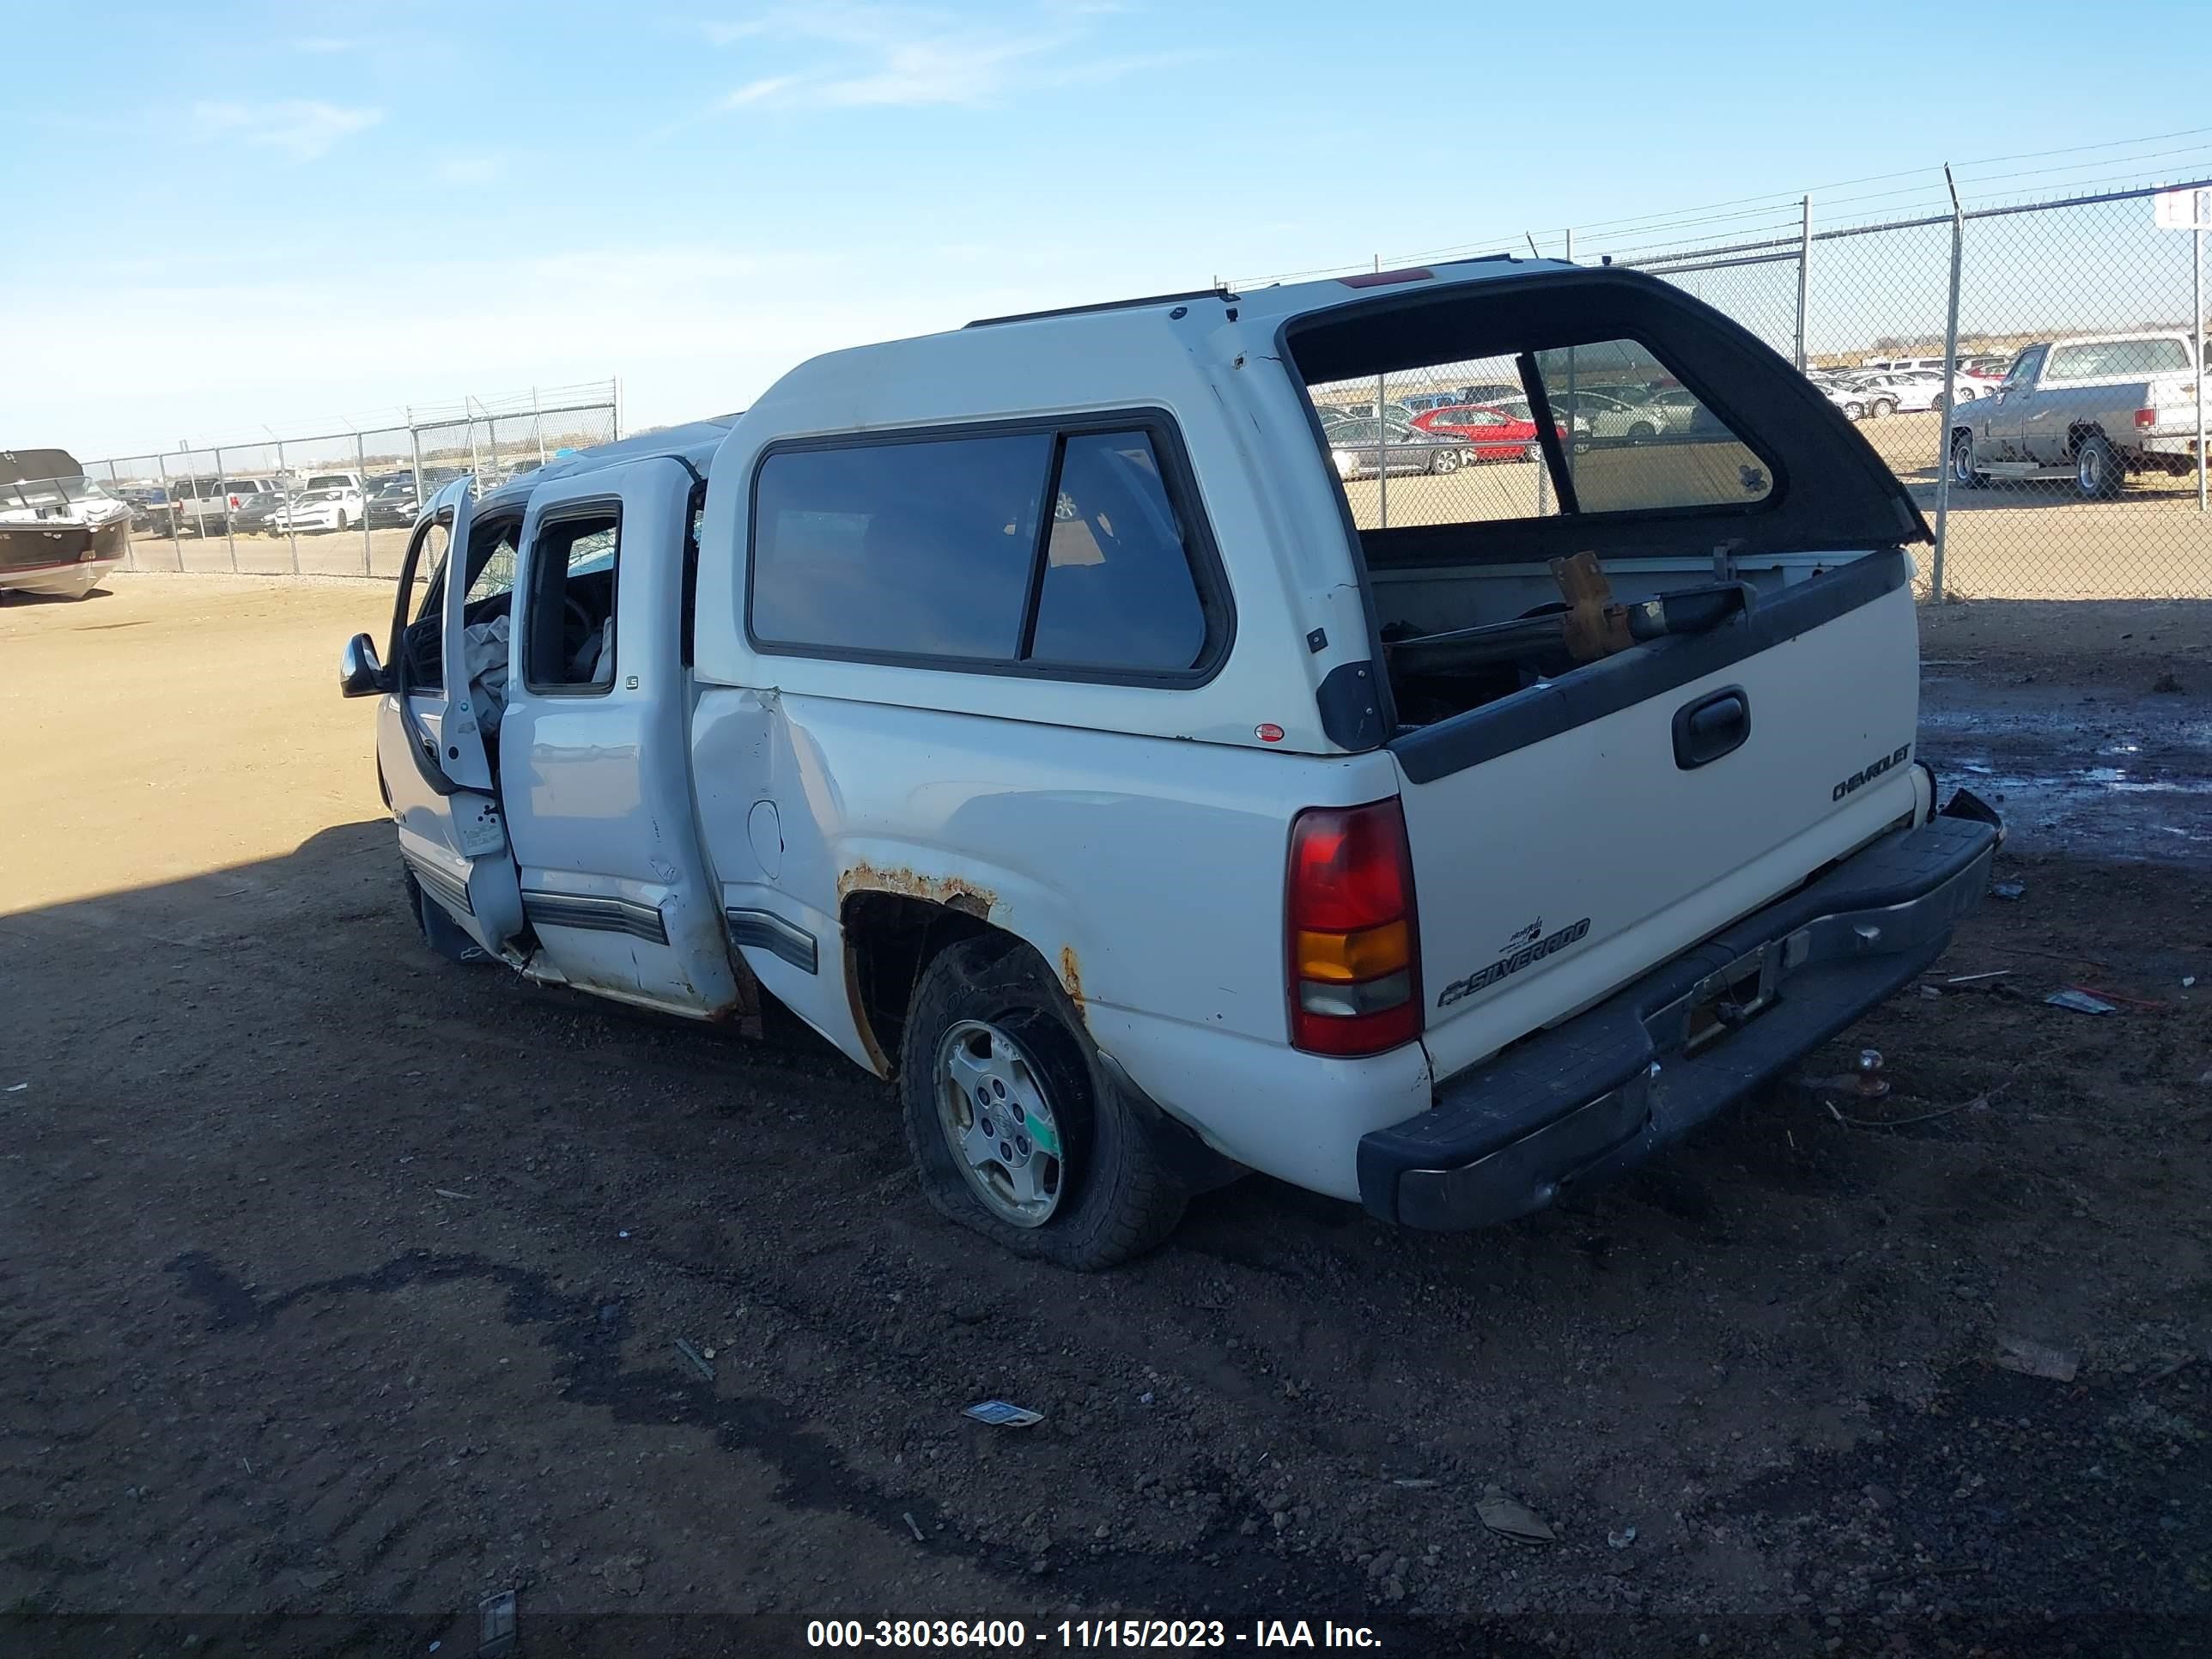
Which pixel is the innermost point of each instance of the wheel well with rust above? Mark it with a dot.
(889, 938)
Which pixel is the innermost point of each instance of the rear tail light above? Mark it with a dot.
(1354, 947)
(2145, 417)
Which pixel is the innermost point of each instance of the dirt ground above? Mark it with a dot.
(341, 1285)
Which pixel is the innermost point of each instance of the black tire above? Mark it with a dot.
(2098, 472)
(1640, 430)
(439, 931)
(1962, 462)
(1118, 1197)
(1534, 453)
(1880, 407)
(1445, 460)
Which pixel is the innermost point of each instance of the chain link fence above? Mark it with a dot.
(338, 504)
(2030, 372)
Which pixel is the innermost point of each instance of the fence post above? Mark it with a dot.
(1950, 392)
(537, 425)
(169, 507)
(360, 471)
(285, 483)
(491, 446)
(415, 448)
(1804, 277)
(2201, 202)
(1571, 245)
(222, 501)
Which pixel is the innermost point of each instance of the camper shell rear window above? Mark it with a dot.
(1753, 457)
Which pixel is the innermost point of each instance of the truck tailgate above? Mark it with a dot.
(1566, 839)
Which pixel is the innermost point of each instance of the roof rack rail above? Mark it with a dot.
(1106, 305)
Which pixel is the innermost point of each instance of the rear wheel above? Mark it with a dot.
(1642, 429)
(1883, 406)
(1532, 452)
(1962, 462)
(1445, 460)
(1018, 1134)
(2098, 474)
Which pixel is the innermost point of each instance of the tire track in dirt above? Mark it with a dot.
(813, 1473)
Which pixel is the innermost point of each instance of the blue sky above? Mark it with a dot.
(222, 215)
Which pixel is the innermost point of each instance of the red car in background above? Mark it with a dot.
(1495, 432)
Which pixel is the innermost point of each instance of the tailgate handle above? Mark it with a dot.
(1715, 725)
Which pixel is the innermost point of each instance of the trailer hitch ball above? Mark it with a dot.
(1873, 1085)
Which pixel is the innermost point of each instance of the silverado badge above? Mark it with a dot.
(1527, 944)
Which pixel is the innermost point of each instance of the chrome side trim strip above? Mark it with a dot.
(596, 913)
(441, 884)
(768, 932)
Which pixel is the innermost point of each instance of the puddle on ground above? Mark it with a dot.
(2118, 778)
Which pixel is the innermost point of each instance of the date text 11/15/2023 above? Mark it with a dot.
(1010, 1635)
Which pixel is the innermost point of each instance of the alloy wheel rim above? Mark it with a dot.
(997, 1118)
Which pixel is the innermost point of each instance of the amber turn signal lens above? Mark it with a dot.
(1369, 953)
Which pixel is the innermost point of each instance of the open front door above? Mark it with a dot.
(429, 741)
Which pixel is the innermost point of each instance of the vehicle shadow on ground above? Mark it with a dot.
(15, 598)
(274, 1163)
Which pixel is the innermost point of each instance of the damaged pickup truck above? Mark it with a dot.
(1033, 711)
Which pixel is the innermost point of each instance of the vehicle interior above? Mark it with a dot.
(570, 648)
(1749, 464)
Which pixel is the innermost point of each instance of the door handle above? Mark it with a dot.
(1716, 724)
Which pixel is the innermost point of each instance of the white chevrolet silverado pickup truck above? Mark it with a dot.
(1034, 711)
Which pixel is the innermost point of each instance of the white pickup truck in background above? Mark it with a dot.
(1027, 709)
(2092, 408)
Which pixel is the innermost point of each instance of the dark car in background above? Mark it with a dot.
(392, 501)
(1363, 449)
(150, 509)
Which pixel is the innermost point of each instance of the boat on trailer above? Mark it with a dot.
(60, 533)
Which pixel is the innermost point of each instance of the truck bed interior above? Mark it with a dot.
(1592, 412)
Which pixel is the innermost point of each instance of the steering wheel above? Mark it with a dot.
(576, 626)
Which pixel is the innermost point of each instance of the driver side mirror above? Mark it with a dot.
(360, 674)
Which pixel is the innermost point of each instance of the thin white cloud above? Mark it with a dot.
(754, 92)
(888, 56)
(469, 169)
(301, 128)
